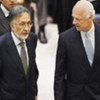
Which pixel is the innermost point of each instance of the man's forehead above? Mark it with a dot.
(23, 17)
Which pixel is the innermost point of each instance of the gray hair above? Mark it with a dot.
(16, 11)
(87, 7)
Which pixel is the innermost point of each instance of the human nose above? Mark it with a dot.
(27, 27)
(74, 21)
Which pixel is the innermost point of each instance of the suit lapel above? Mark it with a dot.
(12, 51)
(31, 55)
(29, 44)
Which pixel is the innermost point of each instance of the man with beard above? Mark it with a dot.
(18, 69)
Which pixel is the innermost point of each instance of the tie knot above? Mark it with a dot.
(21, 44)
(86, 35)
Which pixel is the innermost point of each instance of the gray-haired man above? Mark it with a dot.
(18, 70)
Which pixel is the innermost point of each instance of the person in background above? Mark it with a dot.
(18, 69)
(5, 6)
(40, 9)
(62, 17)
(77, 73)
(42, 20)
(51, 5)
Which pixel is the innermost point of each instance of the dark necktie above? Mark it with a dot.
(89, 48)
(23, 57)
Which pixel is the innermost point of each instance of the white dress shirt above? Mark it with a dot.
(91, 36)
(5, 11)
(17, 42)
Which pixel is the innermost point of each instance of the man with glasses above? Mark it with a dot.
(18, 70)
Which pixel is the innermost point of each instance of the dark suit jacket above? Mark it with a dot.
(4, 23)
(74, 77)
(14, 84)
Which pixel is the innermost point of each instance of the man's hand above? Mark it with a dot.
(36, 98)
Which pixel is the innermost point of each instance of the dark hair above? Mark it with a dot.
(17, 10)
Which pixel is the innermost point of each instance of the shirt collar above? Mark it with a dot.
(16, 40)
(5, 11)
(90, 32)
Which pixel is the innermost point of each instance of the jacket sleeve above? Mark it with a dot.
(36, 69)
(60, 72)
